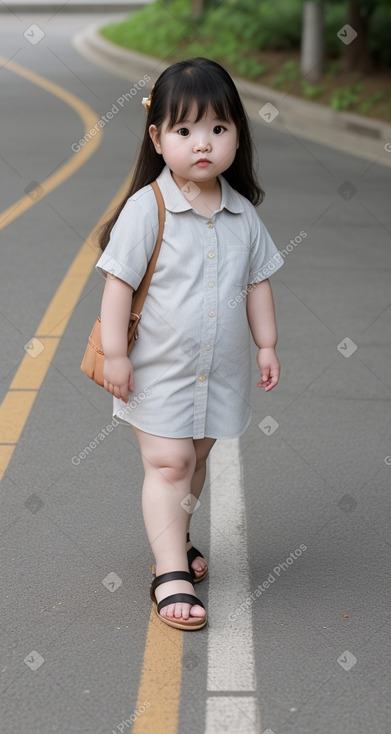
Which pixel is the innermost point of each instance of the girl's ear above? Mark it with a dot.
(154, 135)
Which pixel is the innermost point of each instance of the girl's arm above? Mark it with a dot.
(115, 311)
(262, 322)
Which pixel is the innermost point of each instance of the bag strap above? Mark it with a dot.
(141, 293)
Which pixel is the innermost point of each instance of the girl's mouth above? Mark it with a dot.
(202, 162)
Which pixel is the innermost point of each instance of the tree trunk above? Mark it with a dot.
(196, 9)
(312, 43)
(357, 55)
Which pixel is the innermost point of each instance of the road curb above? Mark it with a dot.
(345, 131)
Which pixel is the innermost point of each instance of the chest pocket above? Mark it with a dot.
(239, 265)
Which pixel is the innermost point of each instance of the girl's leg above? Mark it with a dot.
(169, 465)
(202, 448)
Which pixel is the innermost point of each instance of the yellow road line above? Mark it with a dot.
(16, 406)
(89, 118)
(160, 682)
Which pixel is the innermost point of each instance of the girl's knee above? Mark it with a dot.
(173, 458)
(175, 468)
(175, 463)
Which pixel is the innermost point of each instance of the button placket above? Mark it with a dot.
(209, 324)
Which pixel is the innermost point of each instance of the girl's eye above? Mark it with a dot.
(218, 129)
(183, 131)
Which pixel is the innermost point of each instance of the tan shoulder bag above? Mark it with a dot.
(93, 359)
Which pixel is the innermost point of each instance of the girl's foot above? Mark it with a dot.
(179, 609)
(199, 564)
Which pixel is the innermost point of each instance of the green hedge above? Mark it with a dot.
(234, 31)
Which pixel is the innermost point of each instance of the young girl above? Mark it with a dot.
(189, 372)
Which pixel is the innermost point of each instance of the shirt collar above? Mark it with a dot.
(175, 201)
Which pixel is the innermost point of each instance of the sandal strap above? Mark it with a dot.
(171, 576)
(192, 554)
(187, 598)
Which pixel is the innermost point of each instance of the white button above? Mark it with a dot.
(202, 378)
(211, 254)
(209, 224)
(211, 313)
(207, 346)
(211, 284)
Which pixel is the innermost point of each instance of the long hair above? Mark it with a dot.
(203, 82)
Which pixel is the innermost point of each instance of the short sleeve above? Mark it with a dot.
(132, 240)
(265, 258)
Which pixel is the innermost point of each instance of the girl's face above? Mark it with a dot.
(197, 151)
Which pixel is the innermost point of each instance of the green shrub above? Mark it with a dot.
(311, 90)
(345, 97)
(369, 102)
(290, 71)
(257, 25)
(153, 29)
(233, 31)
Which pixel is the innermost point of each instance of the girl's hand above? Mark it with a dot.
(269, 367)
(118, 377)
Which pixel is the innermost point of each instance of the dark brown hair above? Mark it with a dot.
(206, 83)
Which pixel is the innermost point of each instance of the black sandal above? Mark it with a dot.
(192, 623)
(191, 555)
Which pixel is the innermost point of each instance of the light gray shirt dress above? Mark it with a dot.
(191, 362)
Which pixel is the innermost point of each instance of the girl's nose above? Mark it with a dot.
(202, 146)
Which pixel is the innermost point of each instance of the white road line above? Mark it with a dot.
(230, 643)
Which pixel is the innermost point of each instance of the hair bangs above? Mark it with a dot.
(192, 89)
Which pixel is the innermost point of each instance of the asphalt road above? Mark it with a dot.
(317, 633)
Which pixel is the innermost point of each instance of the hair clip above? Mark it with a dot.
(146, 101)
